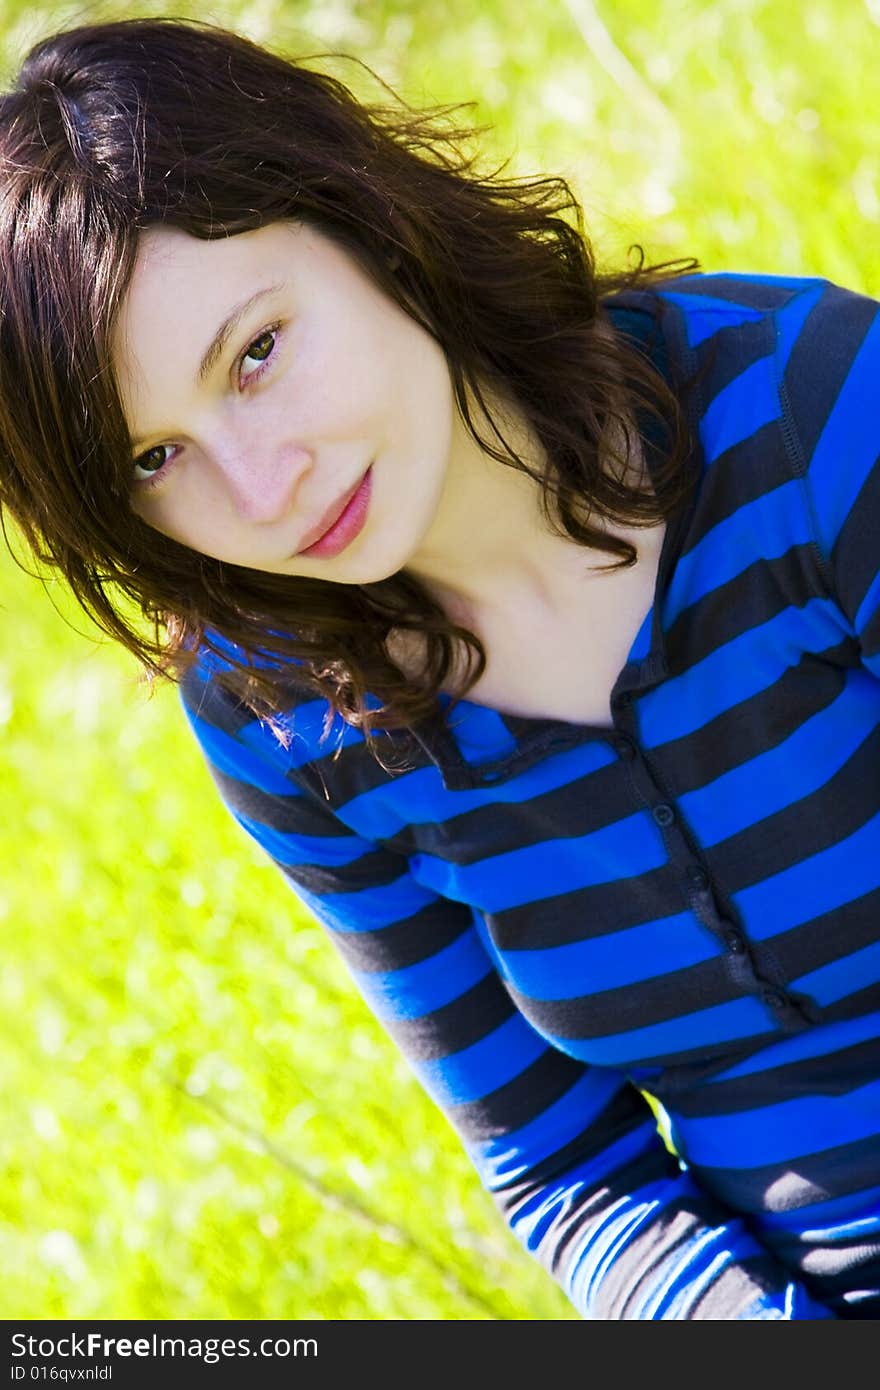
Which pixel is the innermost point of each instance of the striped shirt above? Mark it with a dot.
(555, 920)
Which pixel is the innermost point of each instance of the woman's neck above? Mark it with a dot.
(490, 555)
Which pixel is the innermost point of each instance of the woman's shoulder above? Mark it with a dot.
(706, 300)
(302, 728)
(756, 342)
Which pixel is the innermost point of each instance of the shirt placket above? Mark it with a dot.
(789, 1011)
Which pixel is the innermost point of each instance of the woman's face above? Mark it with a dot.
(323, 396)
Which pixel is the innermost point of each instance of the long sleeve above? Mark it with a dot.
(570, 1152)
(829, 356)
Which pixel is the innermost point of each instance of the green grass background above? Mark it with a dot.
(199, 1117)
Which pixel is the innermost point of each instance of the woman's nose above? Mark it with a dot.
(262, 482)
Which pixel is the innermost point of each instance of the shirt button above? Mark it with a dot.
(663, 814)
(697, 876)
(773, 999)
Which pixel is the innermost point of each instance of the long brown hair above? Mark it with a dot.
(114, 127)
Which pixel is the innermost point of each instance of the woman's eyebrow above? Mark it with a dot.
(219, 341)
(221, 337)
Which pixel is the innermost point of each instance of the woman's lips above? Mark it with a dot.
(347, 524)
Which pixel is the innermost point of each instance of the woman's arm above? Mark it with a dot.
(570, 1153)
(828, 364)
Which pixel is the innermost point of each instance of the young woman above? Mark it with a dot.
(357, 429)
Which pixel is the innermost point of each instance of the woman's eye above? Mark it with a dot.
(149, 468)
(151, 462)
(259, 350)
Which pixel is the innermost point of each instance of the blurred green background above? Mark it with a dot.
(200, 1119)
